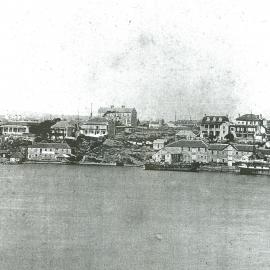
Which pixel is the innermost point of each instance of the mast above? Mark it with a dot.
(91, 114)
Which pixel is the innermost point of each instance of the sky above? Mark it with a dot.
(187, 58)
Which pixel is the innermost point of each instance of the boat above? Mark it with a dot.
(255, 167)
(185, 167)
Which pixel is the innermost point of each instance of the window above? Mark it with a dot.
(199, 149)
(236, 153)
(189, 149)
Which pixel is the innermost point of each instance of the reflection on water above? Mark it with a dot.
(71, 217)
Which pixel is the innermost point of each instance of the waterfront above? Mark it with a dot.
(77, 217)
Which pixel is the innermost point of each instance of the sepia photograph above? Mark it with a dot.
(135, 135)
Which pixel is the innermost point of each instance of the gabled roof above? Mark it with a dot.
(248, 117)
(189, 143)
(244, 147)
(20, 123)
(264, 151)
(50, 145)
(217, 146)
(212, 119)
(64, 124)
(159, 141)
(172, 150)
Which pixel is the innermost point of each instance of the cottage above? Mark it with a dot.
(48, 151)
(64, 129)
(158, 144)
(97, 127)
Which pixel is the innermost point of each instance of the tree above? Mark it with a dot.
(43, 129)
(229, 137)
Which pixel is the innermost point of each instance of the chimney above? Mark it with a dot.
(112, 106)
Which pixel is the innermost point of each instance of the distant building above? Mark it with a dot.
(249, 127)
(214, 126)
(156, 124)
(159, 144)
(97, 127)
(185, 134)
(125, 116)
(64, 129)
(17, 128)
(183, 151)
(48, 151)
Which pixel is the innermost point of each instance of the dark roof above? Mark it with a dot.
(248, 117)
(17, 155)
(264, 151)
(188, 143)
(244, 147)
(113, 109)
(95, 120)
(20, 123)
(50, 145)
(212, 119)
(64, 124)
(217, 146)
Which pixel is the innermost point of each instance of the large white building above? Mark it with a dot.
(214, 126)
(17, 128)
(125, 116)
(249, 127)
(182, 151)
(48, 151)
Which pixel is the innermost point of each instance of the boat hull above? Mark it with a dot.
(254, 171)
(180, 167)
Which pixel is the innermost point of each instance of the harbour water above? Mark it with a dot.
(79, 217)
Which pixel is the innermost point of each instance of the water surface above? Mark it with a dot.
(74, 217)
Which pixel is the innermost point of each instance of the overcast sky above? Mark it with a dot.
(191, 57)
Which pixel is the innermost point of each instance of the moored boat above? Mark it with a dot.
(186, 167)
(258, 167)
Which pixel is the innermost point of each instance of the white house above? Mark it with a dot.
(159, 144)
(95, 127)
